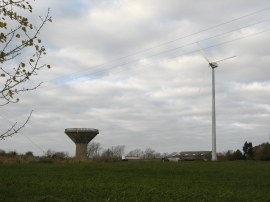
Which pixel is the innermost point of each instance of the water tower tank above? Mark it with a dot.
(81, 137)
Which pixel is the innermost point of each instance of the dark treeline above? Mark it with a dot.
(48, 157)
(115, 153)
(259, 152)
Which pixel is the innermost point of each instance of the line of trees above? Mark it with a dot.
(115, 153)
(259, 152)
(49, 154)
(95, 151)
(262, 152)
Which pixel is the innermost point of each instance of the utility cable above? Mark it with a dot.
(178, 55)
(197, 50)
(169, 42)
(36, 145)
(187, 53)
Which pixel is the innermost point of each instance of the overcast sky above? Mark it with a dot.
(132, 69)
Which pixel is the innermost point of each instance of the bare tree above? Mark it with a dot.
(14, 129)
(136, 153)
(151, 154)
(114, 153)
(93, 149)
(118, 151)
(107, 154)
(21, 51)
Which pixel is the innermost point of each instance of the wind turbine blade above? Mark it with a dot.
(203, 53)
(226, 58)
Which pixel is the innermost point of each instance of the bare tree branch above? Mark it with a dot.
(12, 130)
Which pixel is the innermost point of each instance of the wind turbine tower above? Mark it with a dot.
(213, 65)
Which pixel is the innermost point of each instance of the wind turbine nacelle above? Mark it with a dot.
(213, 64)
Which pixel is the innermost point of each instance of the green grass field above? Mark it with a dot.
(136, 181)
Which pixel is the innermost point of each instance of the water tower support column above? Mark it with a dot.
(81, 150)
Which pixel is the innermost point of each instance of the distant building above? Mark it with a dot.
(195, 155)
(136, 158)
(175, 156)
(130, 158)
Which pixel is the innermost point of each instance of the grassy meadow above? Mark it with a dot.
(136, 181)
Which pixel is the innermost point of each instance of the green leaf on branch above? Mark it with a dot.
(17, 34)
(3, 24)
(10, 93)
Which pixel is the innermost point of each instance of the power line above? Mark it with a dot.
(169, 42)
(187, 53)
(36, 145)
(194, 51)
(206, 48)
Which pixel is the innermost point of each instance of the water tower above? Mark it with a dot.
(81, 137)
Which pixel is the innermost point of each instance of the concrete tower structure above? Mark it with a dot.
(81, 137)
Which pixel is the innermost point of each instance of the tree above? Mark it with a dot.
(229, 155)
(114, 153)
(107, 155)
(12, 153)
(151, 154)
(2, 152)
(118, 151)
(56, 155)
(49, 153)
(29, 153)
(93, 149)
(136, 153)
(262, 152)
(248, 150)
(21, 51)
(237, 155)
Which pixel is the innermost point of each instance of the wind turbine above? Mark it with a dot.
(213, 65)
